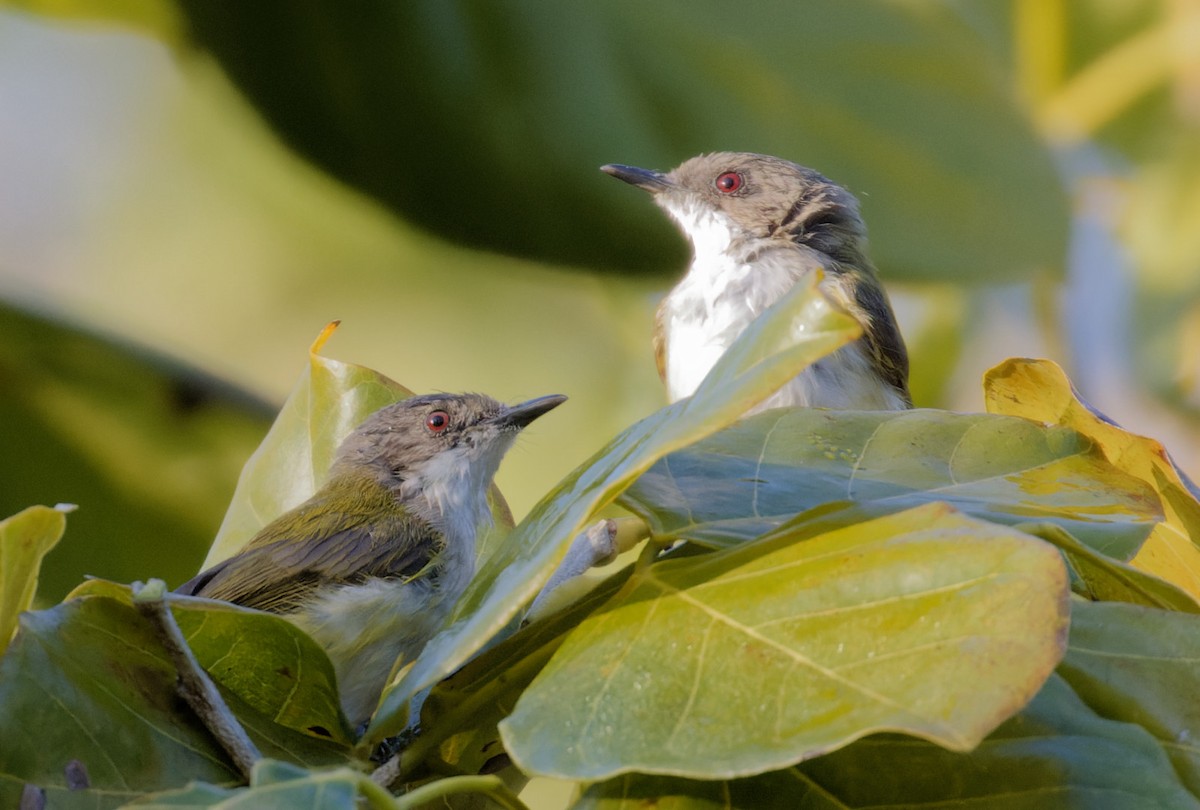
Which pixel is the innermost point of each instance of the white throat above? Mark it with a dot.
(710, 231)
(450, 491)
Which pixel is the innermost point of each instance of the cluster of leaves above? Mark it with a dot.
(864, 608)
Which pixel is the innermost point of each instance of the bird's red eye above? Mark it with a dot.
(728, 182)
(437, 421)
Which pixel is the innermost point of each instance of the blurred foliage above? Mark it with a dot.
(488, 123)
(145, 446)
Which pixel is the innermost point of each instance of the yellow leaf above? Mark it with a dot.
(1040, 390)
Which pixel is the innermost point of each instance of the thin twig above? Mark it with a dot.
(194, 684)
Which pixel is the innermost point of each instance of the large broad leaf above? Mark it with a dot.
(926, 622)
(88, 681)
(266, 661)
(330, 399)
(1056, 753)
(24, 540)
(767, 469)
(421, 104)
(147, 447)
(460, 716)
(1139, 665)
(1038, 389)
(802, 327)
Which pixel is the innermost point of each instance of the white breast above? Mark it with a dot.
(719, 297)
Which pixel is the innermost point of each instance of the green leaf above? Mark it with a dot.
(767, 469)
(330, 399)
(802, 327)
(1102, 578)
(24, 540)
(903, 103)
(266, 661)
(1138, 665)
(88, 681)
(926, 622)
(195, 795)
(1040, 390)
(460, 716)
(1056, 753)
(273, 786)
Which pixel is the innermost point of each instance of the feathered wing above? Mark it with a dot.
(884, 340)
(867, 302)
(354, 530)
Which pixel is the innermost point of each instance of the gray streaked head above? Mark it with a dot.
(474, 430)
(756, 197)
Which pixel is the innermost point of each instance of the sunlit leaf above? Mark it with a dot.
(330, 399)
(1039, 390)
(24, 540)
(926, 622)
(770, 468)
(800, 328)
(1056, 753)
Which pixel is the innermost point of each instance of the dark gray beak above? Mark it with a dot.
(518, 416)
(645, 179)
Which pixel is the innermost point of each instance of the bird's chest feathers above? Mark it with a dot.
(717, 299)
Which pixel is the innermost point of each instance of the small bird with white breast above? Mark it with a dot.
(757, 225)
(371, 565)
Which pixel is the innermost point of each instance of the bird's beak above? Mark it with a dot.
(518, 416)
(645, 179)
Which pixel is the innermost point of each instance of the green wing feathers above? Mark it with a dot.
(349, 531)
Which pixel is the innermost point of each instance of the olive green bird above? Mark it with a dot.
(371, 565)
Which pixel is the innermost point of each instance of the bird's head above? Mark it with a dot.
(723, 200)
(439, 439)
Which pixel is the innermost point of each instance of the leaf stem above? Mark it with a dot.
(194, 684)
(491, 786)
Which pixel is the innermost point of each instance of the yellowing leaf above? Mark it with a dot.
(926, 622)
(1040, 390)
(330, 399)
(24, 540)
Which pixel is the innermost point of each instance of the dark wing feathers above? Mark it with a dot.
(354, 530)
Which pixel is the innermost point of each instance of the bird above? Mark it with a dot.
(758, 224)
(371, 565)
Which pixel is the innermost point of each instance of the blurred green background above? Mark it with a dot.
(190, 190)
